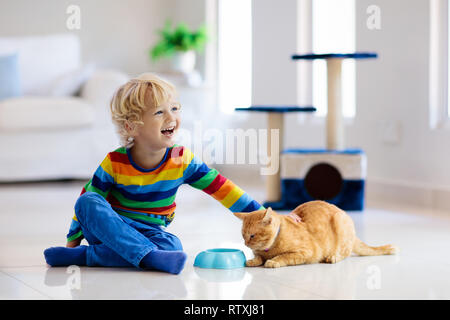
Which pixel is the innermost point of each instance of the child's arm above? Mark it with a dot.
(74, 243)
(100, 183)
(210, 181)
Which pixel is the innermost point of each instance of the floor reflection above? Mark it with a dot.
(107, 283)
(340, 281)
(220, 275)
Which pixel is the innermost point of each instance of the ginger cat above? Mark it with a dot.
(325, 234)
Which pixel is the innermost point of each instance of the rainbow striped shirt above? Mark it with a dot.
(148, 195)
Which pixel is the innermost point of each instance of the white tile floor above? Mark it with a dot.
(34, 217)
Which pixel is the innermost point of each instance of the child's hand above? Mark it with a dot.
(73, 243)
(294, 217)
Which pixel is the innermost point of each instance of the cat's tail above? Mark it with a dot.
(362, 249)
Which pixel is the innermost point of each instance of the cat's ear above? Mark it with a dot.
(240, 215)
(267, 216)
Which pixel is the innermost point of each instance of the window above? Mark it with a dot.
(439, 81)
(448, 59)
(333, 31)
(234, 54)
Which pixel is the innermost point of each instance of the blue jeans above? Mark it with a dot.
(115, 240)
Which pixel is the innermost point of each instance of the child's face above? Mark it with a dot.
(161, 124)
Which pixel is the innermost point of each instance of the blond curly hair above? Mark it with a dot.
(128, 103)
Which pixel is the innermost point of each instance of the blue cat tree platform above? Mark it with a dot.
(334, 174)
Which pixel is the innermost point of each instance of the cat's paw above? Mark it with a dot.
(331, 259)
(391, 249)
(272, 264)
(254, 262)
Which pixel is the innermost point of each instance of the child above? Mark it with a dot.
(122, 209)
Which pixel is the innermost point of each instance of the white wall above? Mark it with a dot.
(395, 89)
(274, 74)
(391, 91)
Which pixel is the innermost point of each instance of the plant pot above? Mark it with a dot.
(183, 61)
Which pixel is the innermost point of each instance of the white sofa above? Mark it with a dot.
(49, 132)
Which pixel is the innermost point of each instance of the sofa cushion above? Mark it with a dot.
(38, 113)
(42, 59)
(9, 76)
(70, 83)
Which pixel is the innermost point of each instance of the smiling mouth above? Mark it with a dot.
(168, 132)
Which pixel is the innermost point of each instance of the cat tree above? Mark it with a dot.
(334, 174)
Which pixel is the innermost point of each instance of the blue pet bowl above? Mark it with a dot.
(222, 258)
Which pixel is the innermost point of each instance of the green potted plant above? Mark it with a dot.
(181, 44)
